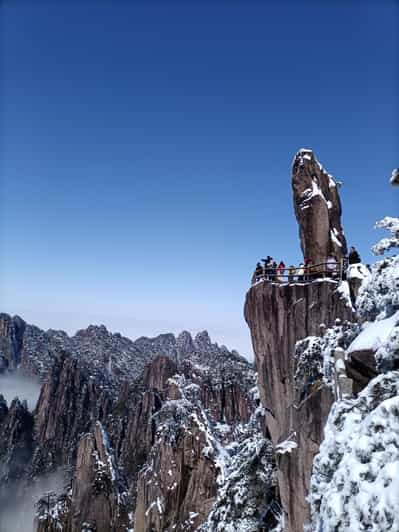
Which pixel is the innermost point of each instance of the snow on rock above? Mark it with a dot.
(355, 480)
(287, 445)
(391, 224)
(379, 294)
(374, 334)
(357, 271)
(246, 501)
(314, 355)
(354, 483)
(387, 355)
(205, 440)
(334, 238)
(344, 289)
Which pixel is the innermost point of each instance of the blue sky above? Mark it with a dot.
(146, 151)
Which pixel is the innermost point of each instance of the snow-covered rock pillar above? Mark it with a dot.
(317, 209)
(280, 315)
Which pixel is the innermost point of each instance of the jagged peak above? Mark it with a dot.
(202, 339)
(14, 320)
(18, 406)
(185, 341)
(94, 330)
(184, 336)
(302, 155)
(169, 337)
(305, 157)
(5, 317)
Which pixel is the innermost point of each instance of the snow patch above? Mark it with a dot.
(374, 334)
(287, 445)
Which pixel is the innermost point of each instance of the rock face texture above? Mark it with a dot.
(178, 485)
(68, 403)
(317, 208)
(98, 495)
(97, 500)
(361, 368)
(279, 316)
(190, 420)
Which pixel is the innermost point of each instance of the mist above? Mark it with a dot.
(17, 506)
(14, 384)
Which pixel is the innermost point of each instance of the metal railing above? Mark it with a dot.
(305, 274)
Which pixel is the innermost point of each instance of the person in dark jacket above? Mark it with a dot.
(258, 272)
(354, 257)
(268, 265)
(291, 273)
(273, 270)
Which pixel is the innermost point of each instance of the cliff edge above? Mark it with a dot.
(279, 315)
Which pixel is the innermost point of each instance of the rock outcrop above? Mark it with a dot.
(178, 484)
(177, 487)
(16, 441)
(177, 428)
(280, 315)
(98, 498)
(11, 334)
(317, 208)
(69, 403)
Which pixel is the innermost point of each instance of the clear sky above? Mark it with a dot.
(146, 151)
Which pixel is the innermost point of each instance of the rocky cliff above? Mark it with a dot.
(147, 434)
(279, 315)
(16, 441)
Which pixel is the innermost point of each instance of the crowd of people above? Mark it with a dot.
(306, 271)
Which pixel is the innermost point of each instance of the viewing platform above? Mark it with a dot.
(302, 274)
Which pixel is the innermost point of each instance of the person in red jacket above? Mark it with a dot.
(308, 269)
(281, 271)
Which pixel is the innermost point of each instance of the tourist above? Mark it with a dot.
(280, 272)
(273, 270)
(258, 272)
(301, 273)
(268, 262)
(308, 269)
(331, 266)
(354, 257)
(291, 273)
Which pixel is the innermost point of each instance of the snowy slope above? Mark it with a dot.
(355, 478)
